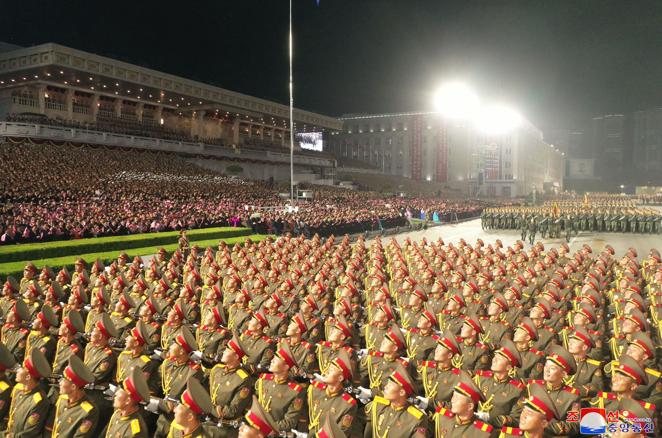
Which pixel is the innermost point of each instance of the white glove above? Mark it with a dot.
(153, 405)
(157, 355)
(196, 356)
(298, 434)
(364, 393)
(484, 416)
(110, 391)
(422, 402)
(319, 377)
(362, 352)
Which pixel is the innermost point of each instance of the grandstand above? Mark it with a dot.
(55, 92)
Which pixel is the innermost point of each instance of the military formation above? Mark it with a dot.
(564, 220)
(333, 338)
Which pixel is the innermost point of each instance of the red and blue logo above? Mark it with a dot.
(592, 421)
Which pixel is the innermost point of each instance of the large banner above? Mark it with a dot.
(442, 156)
(580, 168)
(416, 145)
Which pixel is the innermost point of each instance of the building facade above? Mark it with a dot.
(648, 141)
(424, 146)
(83, 89)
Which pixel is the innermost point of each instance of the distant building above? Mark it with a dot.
(648, 141)
(609, 144)
(425, 147)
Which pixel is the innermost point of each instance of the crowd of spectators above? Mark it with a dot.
(152, 129)
(55, 192)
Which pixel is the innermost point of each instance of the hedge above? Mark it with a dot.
(16, 268)
(62, 248)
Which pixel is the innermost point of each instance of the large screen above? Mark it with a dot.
(310, 140)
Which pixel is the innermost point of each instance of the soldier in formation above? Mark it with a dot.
(333, 337)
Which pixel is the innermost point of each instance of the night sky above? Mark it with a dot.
(557, 61)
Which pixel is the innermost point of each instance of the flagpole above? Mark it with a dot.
(291, 117)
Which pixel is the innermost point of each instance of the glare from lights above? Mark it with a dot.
(456, 100)
(498, 119)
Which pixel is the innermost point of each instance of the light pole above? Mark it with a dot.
(291, 114)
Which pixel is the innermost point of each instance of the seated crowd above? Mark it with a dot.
(54, 192)
(329, 338)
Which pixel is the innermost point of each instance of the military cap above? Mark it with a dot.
(631, 368)
(30, 267)
(394, 334)
(630, 411)
(34, 288)
(74, 322)
(344, 363)
(181, 308)
(236, 345)
(259, 317)
(196, 397)
(643, 341)
(122, 281)
(449, 341)
(510, 352)
(342, 325)
(593, 296)
(544, 305)
(467, 387)
(300, 320)
(562, 358)
(219, 314)
(37, 365)
(582, 335)
(540, 401)
(165, 283)
(56, 289)
(7, 360)
(83, 277)
(388, 311)
(153, 305)
(123, 256)
(47, 316)
(46, 270)
(588, 311)
(638, 318)
(65, 273)
(77, 372)
(330, 429)
(515, 290)
(637, 300)
(427, 314)
(402, 378)
(12, 283)
(136, 386)
(106, 326)
(260, 420)
(21, 310)
(127, 300)
(80, 262)
(139, 333)
(420, 294)
(102, 295)
(285, 353)
(186, 340)
(459, 299)
(528, 326)
(500, 300)
(472, 321)
(80, 294)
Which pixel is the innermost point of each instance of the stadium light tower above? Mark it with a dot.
(456, 100)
